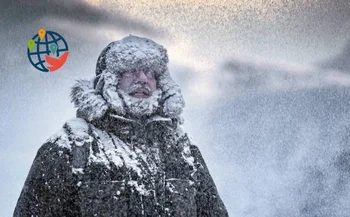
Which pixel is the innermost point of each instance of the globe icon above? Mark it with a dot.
(41, 55)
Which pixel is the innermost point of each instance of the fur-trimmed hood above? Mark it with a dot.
(96, 97)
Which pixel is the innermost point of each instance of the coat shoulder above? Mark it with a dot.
(75, 132)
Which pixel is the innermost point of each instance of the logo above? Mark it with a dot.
(47, 51)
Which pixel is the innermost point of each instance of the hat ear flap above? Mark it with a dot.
(172, 100)
(110, 93)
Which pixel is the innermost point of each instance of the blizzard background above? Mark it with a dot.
(266, 84)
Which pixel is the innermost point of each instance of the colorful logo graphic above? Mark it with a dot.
(47, 51)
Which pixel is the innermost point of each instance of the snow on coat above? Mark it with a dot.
(103, 163)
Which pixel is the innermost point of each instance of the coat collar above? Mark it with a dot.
(126, 128)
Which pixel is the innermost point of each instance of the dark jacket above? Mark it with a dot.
(119, 167)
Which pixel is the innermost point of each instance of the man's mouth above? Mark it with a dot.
(140, 93)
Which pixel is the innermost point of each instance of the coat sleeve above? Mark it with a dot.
(208, 200)
(50, 188)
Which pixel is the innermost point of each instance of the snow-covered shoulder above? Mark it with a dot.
(74, 132)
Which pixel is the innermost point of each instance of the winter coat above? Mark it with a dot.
(139, 170)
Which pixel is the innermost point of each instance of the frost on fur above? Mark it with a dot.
(89, 102)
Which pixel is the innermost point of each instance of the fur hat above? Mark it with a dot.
(96, 97)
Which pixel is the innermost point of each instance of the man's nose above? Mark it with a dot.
(141, 77)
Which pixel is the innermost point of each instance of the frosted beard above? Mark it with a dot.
(138, 107)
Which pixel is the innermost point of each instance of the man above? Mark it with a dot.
(125, 154)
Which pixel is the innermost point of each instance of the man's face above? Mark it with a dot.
(139, 83)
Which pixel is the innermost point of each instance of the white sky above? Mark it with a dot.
(286, 36)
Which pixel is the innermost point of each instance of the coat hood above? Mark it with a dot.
(96, 97)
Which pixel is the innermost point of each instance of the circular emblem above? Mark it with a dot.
(47, 51)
